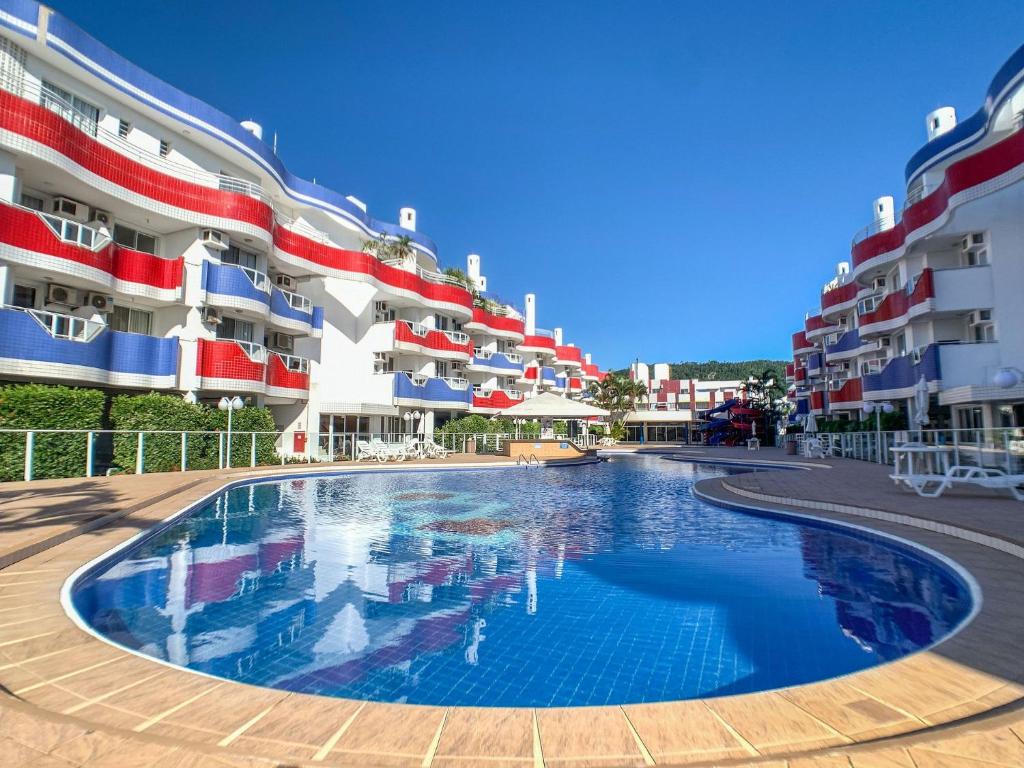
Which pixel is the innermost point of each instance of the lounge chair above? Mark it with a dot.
(367, 451)
(932, 486)
(814, 448)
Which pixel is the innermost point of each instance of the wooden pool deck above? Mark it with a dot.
(70, 699)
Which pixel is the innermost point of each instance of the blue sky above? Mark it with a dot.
(673, 180)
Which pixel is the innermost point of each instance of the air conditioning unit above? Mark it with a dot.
(98, 218)
(287, 282)
(101, 302)
(878, 284)
(67, 208)
(282, 341)
(980, 317)
(61, 294)
(885, 342)
(381, 313)
(212, 238)
(211, 316)
(456, 366)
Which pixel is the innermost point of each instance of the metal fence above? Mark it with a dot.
(32, 454)
(1001, 448)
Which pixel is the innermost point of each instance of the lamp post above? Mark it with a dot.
(878, 408)
(230, 404)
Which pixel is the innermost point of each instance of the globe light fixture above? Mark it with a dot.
(1007, 377)
(230, 404)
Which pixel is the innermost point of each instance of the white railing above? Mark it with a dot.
(417, 328)
(294, 363)
(73, 232)
(483, 354)
(255, 352)
(303, 228)
(259, 279)
(457, 337)
(49, 100)
(297, 301)
(543, 332)
(455, 382)
(61, 326)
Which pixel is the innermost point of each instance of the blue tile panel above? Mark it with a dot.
(498, 361)
(318, 318)
(22, 338)
(435, 390)
(229, 280)
(814, 363)
(548, 375)
(279, 306)
(902, 373)
(803, 406)
(848, 342)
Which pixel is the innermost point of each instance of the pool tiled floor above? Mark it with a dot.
(72, 700)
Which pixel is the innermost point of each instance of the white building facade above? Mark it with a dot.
(150, 242)
(933, 294)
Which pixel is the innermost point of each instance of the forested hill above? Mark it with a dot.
(716, 370)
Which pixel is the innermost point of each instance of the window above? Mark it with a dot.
(131, 320)
(137, 241)
(31, 201)
(441, 322)
(165, 148)
(235, 329)
(241, 258)
(24, 296)
(393, 425)
(73, 109)
(508, 383)
(969, 418)
(984, 332)
(901, 344)
(440, 369)
(383, 363)
(123, 128)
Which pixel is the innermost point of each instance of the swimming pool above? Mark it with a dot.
(600, 584)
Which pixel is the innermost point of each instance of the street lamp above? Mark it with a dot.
(409, 417)
(1008, 377)
(882, 406)
(230, 404)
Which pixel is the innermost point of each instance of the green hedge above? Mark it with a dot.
(44, 406)
(162, 453)
(477, 425)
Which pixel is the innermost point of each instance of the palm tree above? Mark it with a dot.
(618, 395)
(390, 249)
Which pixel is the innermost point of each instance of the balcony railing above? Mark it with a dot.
(455, 382)
(61, 326)
(543, 332)
(255, 352)
(294, 363)
(297, 301)
(257, 278)
(87, 123)
(74, 233)
(486, 354)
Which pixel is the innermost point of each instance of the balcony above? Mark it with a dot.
(429, 289)
(547, 376)
(839, 299)
(897, 308)
(575, 385)
(801, 346)
(590, 372)
(500, 326)
(816, 402)
(229, 365)
(235, 287)
(287, 376)
(570, 357)
(495, 400)
(293, 312)
(847, 347)
(963, 289)
(815, 327)
(65, 247)
(901, 374)
(539, 343)
(42, 345)
(988, 167)
(504, 363)
(419, 339)
(137, 177)
(847, 396)
(414, 390)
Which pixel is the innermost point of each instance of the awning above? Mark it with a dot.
(551, 406)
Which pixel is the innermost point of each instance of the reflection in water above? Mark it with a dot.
(601, 584)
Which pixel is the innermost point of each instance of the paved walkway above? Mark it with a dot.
(69, 699)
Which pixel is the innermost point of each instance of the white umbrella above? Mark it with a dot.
(920, 415)
(811, 424)
(551, 406)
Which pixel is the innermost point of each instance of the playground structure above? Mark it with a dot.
(731, 423)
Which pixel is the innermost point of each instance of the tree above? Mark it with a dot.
(386, 248)
(618, 395)
(764, 392)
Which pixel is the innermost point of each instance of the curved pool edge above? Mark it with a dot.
(745, 714)
(927, 553)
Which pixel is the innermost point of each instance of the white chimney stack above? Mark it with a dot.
(530, 303)
(558, 336)
(586, 357)
(941, 121)
(407, 219)
(473, 272)
(884, 213)
(253, 127)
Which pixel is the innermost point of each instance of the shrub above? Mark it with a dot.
(162, 453)
(44, 406)
(243, 423)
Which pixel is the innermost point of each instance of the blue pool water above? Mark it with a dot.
(600, 584)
